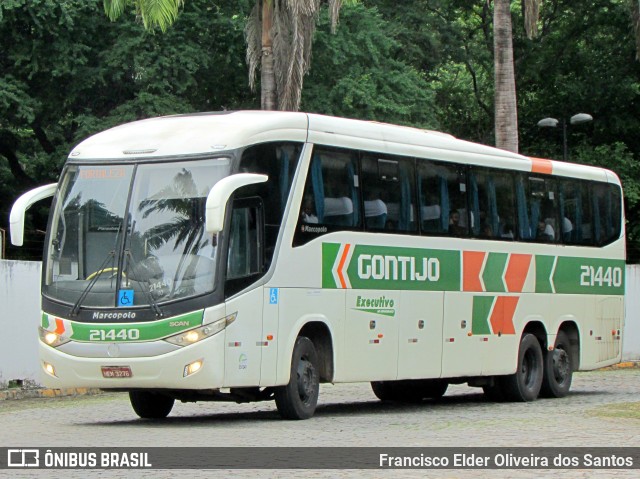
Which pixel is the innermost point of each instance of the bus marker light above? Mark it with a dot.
(191, 336)
(469, 334)
(193, 367)
(413, 340)
(235, 344)
(262, 343)
(380, 335)
(449, 340)
(270, 337)
(50, 369)
(374, 341)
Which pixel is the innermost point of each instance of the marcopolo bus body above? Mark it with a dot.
(253, 255)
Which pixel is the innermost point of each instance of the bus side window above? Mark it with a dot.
(492, 201)
(576, 212)
(277, 160)
(387, 188)
(442, 195)
(334, 182)
(505, 202)
(537, 206)
(606, 213)
(245, 257)
(331, 197)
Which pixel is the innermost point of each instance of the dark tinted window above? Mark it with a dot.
(388, 193)
(537, 205)
(443, 199)
(492, 204)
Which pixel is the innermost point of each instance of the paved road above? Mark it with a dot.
(348, 415)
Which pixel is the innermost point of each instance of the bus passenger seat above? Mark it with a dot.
(431, 218)
(338, 211)
(375, 214)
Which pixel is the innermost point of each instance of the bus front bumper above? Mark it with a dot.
(166, 371)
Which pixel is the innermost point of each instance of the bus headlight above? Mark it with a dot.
(191, 336)
(51, 339)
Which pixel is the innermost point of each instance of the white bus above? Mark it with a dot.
(245, 256)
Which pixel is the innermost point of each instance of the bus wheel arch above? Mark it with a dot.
(320, 335)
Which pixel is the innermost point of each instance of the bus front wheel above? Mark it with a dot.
(525, 384)
(298, 399)
(149, 405)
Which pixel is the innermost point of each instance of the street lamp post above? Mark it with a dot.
(576, 119)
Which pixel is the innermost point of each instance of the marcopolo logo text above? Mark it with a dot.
(114, 315)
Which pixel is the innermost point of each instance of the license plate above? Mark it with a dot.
(116, 372)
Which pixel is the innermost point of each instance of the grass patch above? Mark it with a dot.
(627, 410)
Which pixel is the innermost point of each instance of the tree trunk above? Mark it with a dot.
(268, 93)
(506, 113)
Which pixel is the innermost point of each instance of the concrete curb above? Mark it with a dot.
(623, 365)
(19, 393)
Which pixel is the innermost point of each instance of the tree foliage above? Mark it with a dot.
(67, 72)
(356, 74)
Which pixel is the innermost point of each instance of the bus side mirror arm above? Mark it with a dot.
(22, 204)
(219, 196)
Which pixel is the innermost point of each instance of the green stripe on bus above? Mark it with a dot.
(544, 266)
(149, 331)
(480, 316)
(589, 276)
(493, 272)
(575, 275)
(392, 268)
(329, 256)
(396, 268)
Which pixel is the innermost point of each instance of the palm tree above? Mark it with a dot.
(506, 112)
(635, 18)
(279, 36)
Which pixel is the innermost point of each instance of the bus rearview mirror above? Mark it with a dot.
(22, 204)
(219, 196)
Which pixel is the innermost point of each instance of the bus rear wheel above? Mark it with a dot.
(558, 370)
(525, 384)
(149, 405)
(298, 399)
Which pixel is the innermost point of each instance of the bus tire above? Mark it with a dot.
(525, 384)
(384, 390)
(298, 399)
(150, 405)
(494, 391)
(433, 388)
(558, 370)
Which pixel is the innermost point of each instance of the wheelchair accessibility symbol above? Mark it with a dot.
(125, 298)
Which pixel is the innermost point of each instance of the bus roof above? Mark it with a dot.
(205, 133)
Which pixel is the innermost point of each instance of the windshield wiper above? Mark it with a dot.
(96, 275)
(147, 292)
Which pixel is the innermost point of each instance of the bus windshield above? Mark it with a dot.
(127, 236)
